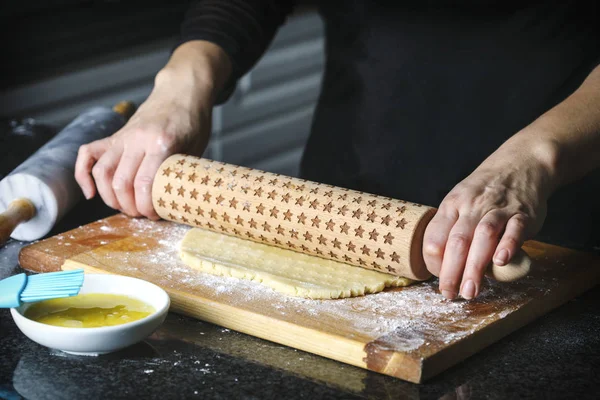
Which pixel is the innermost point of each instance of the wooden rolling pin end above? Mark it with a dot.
(18, 211)
(125, 108)
(516, 269)
(417, 261)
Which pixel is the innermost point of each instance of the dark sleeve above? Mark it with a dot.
(242, 28)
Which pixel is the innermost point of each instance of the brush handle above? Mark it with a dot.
(18, 211)
(11, 289)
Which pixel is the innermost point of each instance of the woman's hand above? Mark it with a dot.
(488, 216)
(121, 167)
(503, 202)
(176, 118)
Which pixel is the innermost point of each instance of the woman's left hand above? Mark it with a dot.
(487, 217)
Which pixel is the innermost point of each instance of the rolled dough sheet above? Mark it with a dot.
(284, 270)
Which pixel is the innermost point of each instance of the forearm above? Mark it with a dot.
(196, 73)
(564, 141)
(243, 29)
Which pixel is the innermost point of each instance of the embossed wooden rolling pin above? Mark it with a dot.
(42, 189)
(361, 229)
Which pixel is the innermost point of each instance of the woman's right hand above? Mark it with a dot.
(175, 118)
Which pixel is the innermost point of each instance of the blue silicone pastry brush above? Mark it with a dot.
(21, 288)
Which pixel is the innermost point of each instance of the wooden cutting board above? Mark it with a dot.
(410, 333)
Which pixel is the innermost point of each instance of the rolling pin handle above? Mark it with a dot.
(18, 211)
(125, 108)
(518, 268)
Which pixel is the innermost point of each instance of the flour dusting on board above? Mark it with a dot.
(403, 319)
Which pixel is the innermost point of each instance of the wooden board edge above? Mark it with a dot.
(494, 332)
(33, 260)
(34, 257)
(288, 334)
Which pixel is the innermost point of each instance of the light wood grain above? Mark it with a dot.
(18, 211)
(352, 331)
(356, 228)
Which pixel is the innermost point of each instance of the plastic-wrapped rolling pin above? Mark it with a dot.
(40, 191)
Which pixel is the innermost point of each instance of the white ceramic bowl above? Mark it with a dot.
(95, 341)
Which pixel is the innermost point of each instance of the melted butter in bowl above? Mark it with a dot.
(91, 310)
(110, 313)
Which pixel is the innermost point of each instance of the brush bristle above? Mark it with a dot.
(52, 285)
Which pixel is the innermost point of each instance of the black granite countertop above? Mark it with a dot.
(556, 356)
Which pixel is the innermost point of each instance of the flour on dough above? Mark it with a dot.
(286, 271)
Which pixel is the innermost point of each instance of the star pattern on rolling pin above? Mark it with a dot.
(371, 216)
(330, 225)
(354, 215)
(302, 219)
(388, 238)
(344, 228)
(322, 240)
(359, 231)
(373, 235)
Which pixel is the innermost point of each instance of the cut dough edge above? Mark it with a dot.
(283, 270)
